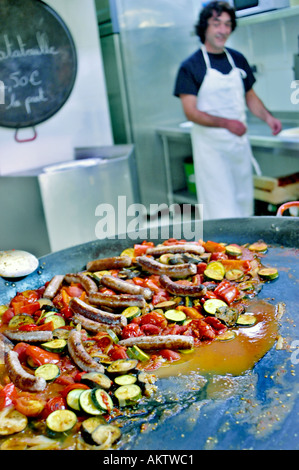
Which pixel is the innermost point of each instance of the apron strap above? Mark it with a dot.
(229, 58)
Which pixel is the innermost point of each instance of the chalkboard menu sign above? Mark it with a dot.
(38, 63)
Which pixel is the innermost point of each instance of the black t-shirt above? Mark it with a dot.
(192, 71)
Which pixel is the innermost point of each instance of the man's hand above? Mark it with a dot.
(274, 124)
(257, 107)
(235, 127)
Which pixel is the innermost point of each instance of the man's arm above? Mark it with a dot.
(256, 106)
(193, 114)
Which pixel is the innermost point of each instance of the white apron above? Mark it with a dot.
(222, 160)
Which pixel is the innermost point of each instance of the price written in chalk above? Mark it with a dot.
(38, 63)
(17, 80)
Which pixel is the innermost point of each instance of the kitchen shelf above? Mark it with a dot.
(269, 16)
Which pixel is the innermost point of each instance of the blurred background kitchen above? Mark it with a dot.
(121, 132)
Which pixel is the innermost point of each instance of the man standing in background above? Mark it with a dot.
(215, 87)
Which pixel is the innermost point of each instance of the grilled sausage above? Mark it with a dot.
(117, 262)
(125, 287)
(20, 377)
(53, 286)
(86, 282)
(178, 271)
(95, 314)
(159, 342)
(117, 301)
(184, 248)
(28, 336)
(79, 355)
(5, 346)
(181, 289)
(94, 326)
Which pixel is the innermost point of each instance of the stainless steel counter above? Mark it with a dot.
(259, 134)
(176, 142)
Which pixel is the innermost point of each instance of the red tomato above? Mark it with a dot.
(161, 296)
(7, 316)
(226, 291)
(30, 308)
(40, 356)
(8, 395)
(201, 267)
(70, 387)
(154, 318)
(170, 355)
(55, 403)
(140, 248)
(218, 255)
(118, 352)
(21, 349)
(215, 323)
(149, 329)
(131, 330)
(212, 247)
(29, 405)
(74, 291)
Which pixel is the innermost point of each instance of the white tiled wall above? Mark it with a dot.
(271, 46)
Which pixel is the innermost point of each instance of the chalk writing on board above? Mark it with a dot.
(16, 47)
(38, 63)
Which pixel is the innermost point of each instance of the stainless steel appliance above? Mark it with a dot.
(143, 43)
(252, 7)
(51, 208)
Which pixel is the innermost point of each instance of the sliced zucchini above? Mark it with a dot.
(46, 312)
(20, 320)
(122, 366)
(102, 400)
(106, 434)
(227, 335)
(86, 403)
(234, 275)
(11, 421)
(113, 336)
(128, 252)
(136, 353)
(45, 302)
(126, 379)
(56, 346)
(61, 333)
(61, 421)
(48, 371)
(73, 398)
(131, 312)
(97, 275)
(176, 316)
(164, 259)
(215, 271)
(89, 425)
(268, 273)
(96, 380)
(167, 304)
(211, 305)
(57, 320)
(246, 319)
(246, 285)
(260, 247)
(128, 395)
(233, 250)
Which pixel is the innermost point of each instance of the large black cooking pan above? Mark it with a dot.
(258, 410)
